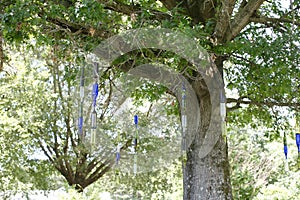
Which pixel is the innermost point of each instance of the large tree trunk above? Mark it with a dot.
(208, 177)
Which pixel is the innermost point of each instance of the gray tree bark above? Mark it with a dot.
(208, 177)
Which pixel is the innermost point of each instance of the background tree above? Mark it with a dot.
(259, 40)
(23, 100)
(32, 124)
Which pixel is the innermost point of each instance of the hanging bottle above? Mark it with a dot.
(222, 105)
(95, 91)
(183, 123)
(81, 88)
(94, 119)
(297, 137)
(285, 150)
(135, 143)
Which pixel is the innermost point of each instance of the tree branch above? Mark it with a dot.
(242, 18)
(96, 161)
(108, 100)
(268, 20)
(120, 7)
(224, 15)
(1, 52)
(68, 169)
(94, 175)
(76, 28)
(99, 175)
(45, 152)
(52, 160)
(246, 101)
(170, 4)
(108, 162)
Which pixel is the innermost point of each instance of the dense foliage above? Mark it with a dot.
(254, 44)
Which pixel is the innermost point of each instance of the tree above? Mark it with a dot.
(22, 167)
(258, 39)
(258, 165)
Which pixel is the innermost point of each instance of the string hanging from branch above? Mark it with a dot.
(118, 151)
(80, 112)
(223, 110)
(94, 103)
(118, 157)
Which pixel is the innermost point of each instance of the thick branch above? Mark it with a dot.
(69, 169)
(247, 101)
(224, 16)
(97, 169)
(242, 18)
(76, 28)
(268, 20)
(120, 7)
(170, 4)
(99, 175)
(201, 11)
